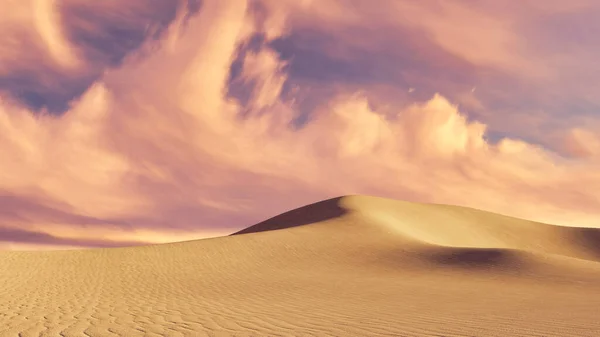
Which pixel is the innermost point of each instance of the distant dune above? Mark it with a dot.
(350, 266)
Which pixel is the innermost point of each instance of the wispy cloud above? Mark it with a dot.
(214, 116)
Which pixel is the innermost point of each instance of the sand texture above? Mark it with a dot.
(352, 266)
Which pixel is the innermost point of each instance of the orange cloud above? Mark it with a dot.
(581, 143)
(35, 25)
(157, 146)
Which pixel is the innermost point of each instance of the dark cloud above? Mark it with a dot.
(106, 33)
(31, 237)
(19, 208)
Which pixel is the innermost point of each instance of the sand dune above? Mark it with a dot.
(352, 266)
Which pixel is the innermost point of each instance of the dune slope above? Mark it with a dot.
(351, 266)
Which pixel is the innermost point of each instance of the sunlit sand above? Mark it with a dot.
(352, 266)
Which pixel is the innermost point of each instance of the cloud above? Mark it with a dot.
(579, 142)
(52, 50)
(468, 30)
(47, 20)
(30, 237)
(222, 119)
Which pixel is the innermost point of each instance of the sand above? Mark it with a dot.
(352, 266)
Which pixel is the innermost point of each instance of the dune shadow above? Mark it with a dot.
(317, 212)
(589, 240)
(475, 258)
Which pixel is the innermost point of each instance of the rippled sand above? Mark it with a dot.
(352, 266)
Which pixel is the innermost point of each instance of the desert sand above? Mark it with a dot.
(351, 266)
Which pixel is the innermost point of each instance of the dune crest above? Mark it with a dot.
(349, 266)
(313, 213)
(444, 226)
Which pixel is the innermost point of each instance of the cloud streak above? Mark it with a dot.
(228, 113)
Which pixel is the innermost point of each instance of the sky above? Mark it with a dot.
(151, 121)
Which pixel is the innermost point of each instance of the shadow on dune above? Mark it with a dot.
(475, 258)
(317, 212)
(589, 240)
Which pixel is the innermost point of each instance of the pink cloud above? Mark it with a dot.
(33, 25)
(160, 141)
(474, 31)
